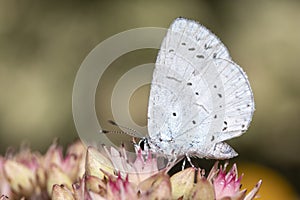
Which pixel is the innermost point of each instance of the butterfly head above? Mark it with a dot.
(144, 144)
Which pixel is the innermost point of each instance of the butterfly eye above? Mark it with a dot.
(174, 114)
(142, 145)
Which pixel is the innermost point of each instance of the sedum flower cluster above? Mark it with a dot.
(89, 174)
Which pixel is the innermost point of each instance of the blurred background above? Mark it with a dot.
(43, 43)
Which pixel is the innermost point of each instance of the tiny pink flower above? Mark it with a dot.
(227, 184)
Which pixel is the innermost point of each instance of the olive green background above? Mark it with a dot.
(42, 44)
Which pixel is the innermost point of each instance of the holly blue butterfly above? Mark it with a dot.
(199, 97)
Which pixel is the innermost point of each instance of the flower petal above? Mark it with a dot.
(76, 150)
(96, 161)
(4, 185)
(227, 184)
(182, 183)
(24, 182)
(60, 192)
(95, 185)
(53, 156)
(251, 195)
(202, 190)
(157, 186)
(118, 188)
(57, 176)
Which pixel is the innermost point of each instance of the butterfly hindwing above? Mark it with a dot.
(199, 97)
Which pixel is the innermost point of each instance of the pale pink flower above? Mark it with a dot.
(111, 174)
(227, 185)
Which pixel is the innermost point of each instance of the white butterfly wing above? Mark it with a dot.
(198, 96)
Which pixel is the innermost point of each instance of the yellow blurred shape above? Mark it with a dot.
(274, 185)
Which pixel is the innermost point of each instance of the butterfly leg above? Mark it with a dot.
(189, 160)
(183, 164)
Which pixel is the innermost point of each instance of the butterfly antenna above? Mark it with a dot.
(114, 132)
(129, 131)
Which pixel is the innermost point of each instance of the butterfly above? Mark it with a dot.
(199, 97)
